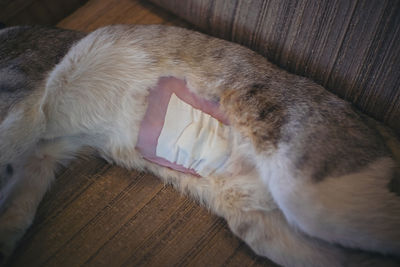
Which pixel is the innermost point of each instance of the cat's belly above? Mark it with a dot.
(184, 132)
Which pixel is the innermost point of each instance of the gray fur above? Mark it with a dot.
(307, 171)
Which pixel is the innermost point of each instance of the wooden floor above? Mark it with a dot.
(102, 215)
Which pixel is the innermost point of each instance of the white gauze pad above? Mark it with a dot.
(193, 139)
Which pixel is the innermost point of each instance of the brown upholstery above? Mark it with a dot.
(350, 47)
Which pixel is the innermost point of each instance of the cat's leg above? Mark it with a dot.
(247, 205)
(30, 178)
(252, 214)
(269, 235)
(356, 210)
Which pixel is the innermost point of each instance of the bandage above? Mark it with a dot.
(184, 132)
(193, 139)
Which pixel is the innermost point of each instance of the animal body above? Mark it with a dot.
(309, 180)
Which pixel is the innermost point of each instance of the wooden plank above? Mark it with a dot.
(55, 234)
(170, 243)
(239, 258)
(214, 250)
(69, 185)
(141, 227)
(107, 221)
(98, 13)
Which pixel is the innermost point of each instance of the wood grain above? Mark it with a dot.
(352, 47)
(102, 215)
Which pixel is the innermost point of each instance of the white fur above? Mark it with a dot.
(96, 97)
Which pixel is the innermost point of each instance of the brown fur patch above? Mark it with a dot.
(255, 115)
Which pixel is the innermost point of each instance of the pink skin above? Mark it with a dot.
(153, 120)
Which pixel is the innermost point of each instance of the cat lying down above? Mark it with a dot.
(298, 174)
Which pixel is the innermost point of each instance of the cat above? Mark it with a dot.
(309, 180)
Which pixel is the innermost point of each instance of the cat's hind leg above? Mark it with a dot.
(357, 210)
(30, 178)
(247, 205)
